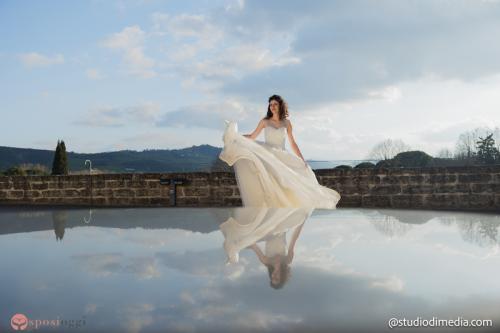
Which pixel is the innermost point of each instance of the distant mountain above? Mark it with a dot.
(195, 158)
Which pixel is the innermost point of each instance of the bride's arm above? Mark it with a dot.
(291, 247)
(291, 139)
(263, 259)
(256, 133)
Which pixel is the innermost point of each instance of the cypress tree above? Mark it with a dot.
(57, 157)
(64, 159)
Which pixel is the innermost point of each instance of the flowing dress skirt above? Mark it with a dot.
(268, 175)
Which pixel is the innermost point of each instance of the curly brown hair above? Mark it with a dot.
(283, 112)
(285, 273)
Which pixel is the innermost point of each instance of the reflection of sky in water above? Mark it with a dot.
(149, 269)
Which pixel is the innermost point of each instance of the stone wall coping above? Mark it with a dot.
(319, 172)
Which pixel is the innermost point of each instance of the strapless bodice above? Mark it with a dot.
(275, 136)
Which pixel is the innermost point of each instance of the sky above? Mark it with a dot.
(107, 75)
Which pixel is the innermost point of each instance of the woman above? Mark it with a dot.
(266, 173)
(277, 112)
(248, 226)
(278, 258)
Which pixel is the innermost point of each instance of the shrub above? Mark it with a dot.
(365, 165)
(343, 167)
(35, 169)
(384, 164)
(15, 171)
(410, 159)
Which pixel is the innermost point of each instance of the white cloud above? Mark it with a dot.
(101, 265)
(140, 64)
(234, 5)
(34, 59)
(108, 116)
(391, 283)
(198, 28)
(143, 267)
(129, 37)
(107, 264)
(383, 45)
(102, 117)
(208, 115)
(205, 53)
(428, 114)
(241, 59)
(94, 74)
(91, 308)
(130, 41)
(391, 94)
(146, 112)
(136, 317)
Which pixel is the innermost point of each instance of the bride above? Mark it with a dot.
(247, 227)
(266, 173)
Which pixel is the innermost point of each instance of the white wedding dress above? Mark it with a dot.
(249, 225)
(269, 175)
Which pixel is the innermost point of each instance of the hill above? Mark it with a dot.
(195, 158)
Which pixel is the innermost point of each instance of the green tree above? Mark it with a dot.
(487, 153)
(64, 159)
(57, 158)
(60, 163)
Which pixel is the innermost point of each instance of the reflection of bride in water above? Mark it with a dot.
(250, 225)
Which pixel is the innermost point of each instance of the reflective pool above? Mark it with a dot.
(246, 269)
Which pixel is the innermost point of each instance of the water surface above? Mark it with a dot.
(199, 269)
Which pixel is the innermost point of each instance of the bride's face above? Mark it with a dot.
(276, 275)
(274, 106)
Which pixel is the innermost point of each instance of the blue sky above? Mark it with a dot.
(139, 74)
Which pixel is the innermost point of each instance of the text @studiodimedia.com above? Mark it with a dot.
(439, 322)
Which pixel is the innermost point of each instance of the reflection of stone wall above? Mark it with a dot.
(436, 188)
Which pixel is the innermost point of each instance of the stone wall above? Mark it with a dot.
(470, 188)
(463, 188)
(114, 190)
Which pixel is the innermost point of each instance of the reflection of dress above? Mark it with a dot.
(249, 225)
(269, 175)
(276, 245)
